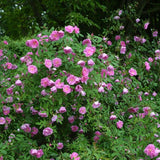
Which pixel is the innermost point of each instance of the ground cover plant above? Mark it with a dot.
(95, 98)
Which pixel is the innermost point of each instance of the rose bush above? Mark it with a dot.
(92, 99)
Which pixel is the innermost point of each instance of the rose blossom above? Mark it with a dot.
(57, 62)
(48, 63)
(62, 110)
(90, 62)
(60, 145)
(88, 51)
(67, 89)
(151, 151)
(132, 72)
(113, 117)
(18, 82)
(82, 110)
(67, 50)
(45, 82)
(125, 90)
(74, 128)
(47, 131)
(146, 25)
(119, 124)
(32, 69)
(69, 29)
(74, 156)
(71, 79)
(2, 120)
(96, 104)
(87, 42)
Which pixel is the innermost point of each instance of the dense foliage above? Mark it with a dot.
(19, 18)
(96, 98)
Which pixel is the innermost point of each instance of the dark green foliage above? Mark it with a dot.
(20, 18)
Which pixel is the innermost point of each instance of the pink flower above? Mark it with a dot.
(113, 117)
(33, 152)
(60, 145)
(123, 50)
(71, 79)
(117, 37)
(74, 156)
(146, 25)
(96, 104)
(81, 63)
(109, 43)
(32, 69)
(57, 62)
(143, 40)
(116, 17)
(59, 84)
(62, 110)
(125, 90)
(9, 65)
(109, 86)
(39, 153)
(1, 52)
(55, 35)
(151, 151)
(133, 110)
(33, 43)
(26, 127)
(61, 33)
(83, 93)
(67, 50)
(42, 114)
(103, 56)
(47, 131)
(74, 128)
(147, 66)
(155, 33)
(154, 94)
(76, 29)
(6, 110)
(54, 89)
(91, 62)
(85, 72)
(96, 138)
(9, 91)
(101, 89)
(87, 42)
(2, 120)
(82, 110)
(137, 20)
(18, 82)
(157, 53)
(48, 63)
(34, 131)
(150, 59)
(132, 72)
(88, 51)
(5, 42)
(103, 72)
(69, 29)
(97, 133)
(137, 39)
(45, 82)
(110, 70)
(120, 12)
(71, 119)
(119, 124)
(67, 89)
